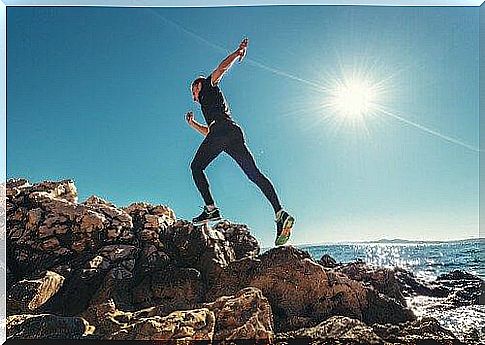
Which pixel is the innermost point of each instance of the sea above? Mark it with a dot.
(427, 260)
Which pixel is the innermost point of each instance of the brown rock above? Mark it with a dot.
(302, 293)
(180, 325)
(246, 315)
(115, 261)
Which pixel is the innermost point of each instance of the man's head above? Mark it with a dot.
(195, 87)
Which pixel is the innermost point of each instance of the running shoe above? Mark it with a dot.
(207, 216)
(284, 224)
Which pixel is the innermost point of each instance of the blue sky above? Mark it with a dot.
(99, 95)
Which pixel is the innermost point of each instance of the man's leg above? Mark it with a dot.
(206, 153)
(238, 150)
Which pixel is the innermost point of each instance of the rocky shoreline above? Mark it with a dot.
(91, 270)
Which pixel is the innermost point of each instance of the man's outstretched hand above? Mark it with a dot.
(243, 46)
(189, 117)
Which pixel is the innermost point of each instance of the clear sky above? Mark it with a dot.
(99, 95)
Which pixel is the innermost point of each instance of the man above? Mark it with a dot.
(223, 134)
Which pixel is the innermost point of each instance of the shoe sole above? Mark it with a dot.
(206, 221)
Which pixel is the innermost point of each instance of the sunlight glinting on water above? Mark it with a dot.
(425, 260)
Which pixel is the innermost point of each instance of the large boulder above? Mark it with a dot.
(302, 293)
(46, 326)
(201, 247)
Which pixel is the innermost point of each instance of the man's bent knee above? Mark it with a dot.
(196, 166)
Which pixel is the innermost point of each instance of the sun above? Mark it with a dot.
(353, 99)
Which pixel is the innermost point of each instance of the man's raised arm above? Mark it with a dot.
(224, 66)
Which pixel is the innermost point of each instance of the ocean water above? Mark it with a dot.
(427, 260)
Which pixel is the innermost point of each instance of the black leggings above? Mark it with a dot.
(228, 137)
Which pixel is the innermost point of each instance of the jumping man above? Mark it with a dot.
(223, 134)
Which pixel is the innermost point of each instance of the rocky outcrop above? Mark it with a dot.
(302, 293)
(47, 227)
(93, 270)
(176, 288)
(240, 239)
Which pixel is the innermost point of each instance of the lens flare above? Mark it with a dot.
(353, 99)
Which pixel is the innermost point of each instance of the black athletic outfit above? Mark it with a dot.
(224, 135)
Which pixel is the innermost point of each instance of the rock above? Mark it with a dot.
(301, 292)
(382, 308)
(10, 279)
(45, 326)
(195, 324)
(151, 224)
(382, 279)
(116, 261)
(203, 248)
(119, 229)
(327, 261)
(246, 315)
(240, 239)
(102, 312)
(174, 288)
(425, 329)
(467, 289)
(27, 296)
(47, 227)
(412, 286)
(150, 221)
(333, 330)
